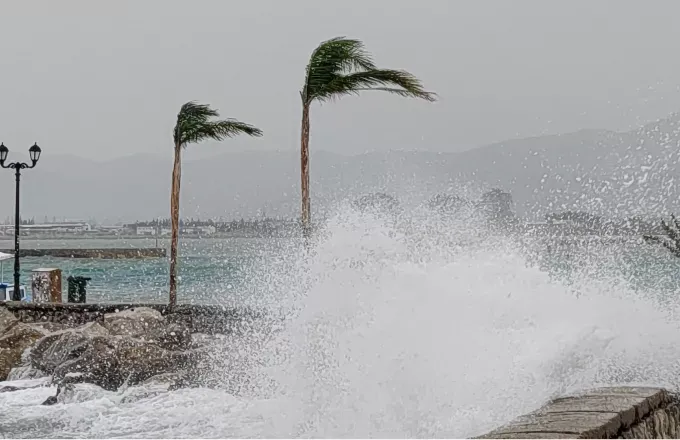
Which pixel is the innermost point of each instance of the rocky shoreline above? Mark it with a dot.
(131, 347)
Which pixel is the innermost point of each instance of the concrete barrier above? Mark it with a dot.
(617, 412)
(104, 253)
(199, 318)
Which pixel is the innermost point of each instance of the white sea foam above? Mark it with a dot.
(412, 327)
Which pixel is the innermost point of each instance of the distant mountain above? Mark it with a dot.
(604, 172)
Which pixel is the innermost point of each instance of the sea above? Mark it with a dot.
(392, 327)
(210, 270)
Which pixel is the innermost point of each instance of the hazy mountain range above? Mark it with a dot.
(604, 172)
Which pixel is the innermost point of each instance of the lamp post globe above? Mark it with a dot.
(34, 153)
(4, 151)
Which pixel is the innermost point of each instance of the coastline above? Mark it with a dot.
(38, 237)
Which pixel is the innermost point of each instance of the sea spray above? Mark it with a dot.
(403, 325)
(416, 334)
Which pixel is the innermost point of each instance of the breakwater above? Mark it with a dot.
(199, 318)
(104, 253)
(615, 412)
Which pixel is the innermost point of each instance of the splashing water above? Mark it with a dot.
(407, 327)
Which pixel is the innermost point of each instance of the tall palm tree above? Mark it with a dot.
(195, 124)
(339, 67)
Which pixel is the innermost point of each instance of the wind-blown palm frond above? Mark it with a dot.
(407, 85)
(194, 125)
(341, 66)
(672, 231)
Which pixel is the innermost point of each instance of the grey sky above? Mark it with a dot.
(102, 79)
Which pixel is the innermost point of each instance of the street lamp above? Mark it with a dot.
(34, 154)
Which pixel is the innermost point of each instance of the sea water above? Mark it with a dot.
(417, 327)
(210, 270)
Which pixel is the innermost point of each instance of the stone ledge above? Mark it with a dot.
(104, 253)
(200, 318)
(617, 412)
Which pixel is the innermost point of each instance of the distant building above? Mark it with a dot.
(54, 228)
(146, 230)
(198, 230)
(112, 229)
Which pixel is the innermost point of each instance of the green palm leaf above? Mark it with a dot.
(194, 125)
(672, 239)
(341, 66)
(397, 82)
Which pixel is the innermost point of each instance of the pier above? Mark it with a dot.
(614, 412)
(104, 253)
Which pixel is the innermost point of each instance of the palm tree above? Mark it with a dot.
(672, 232)
(195, 124)
(339, 67)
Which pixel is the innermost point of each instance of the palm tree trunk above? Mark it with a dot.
(304, 171)
(174, 218)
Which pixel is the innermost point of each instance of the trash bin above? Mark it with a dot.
(77, 289)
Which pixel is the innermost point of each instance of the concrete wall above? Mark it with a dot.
(199, 318)
(112, 253)
(621, 412)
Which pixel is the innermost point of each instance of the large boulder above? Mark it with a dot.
(7, 320)
(52, 327)
(77, 393)
(148, 325)
(172, 337)
(59, 347)
(98, 364)
(135, 323)
(25, 371)
(13, 342)
(138, 360)
(128, 347)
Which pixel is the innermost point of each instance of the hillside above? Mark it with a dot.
(595, 170)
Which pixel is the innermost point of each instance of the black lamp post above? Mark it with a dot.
(34, 154)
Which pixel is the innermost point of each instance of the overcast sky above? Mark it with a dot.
(103, 79)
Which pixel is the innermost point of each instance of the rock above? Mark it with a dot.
(162, 379)
(98, 365)
(50, 400)
(25, 372)
(172, 381)
(149, 325)
(13, 342)
(201, 340)
(159, 384)
(7, 319)
(9, 389)
(135, 323)
(18, 335)
(78, 392)
(172, 337)
(179, 318)
(128, 347)
(139, 361)
(110, 362)
(51, 327)
(57, 348)
(169, 379)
